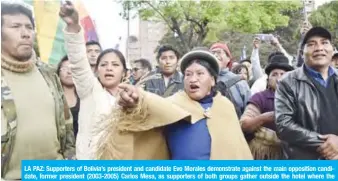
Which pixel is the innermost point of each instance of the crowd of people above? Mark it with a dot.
(199, 106)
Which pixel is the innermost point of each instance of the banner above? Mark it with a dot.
(49, 28)
(179, 170)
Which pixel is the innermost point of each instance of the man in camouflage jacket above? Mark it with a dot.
(36, 122)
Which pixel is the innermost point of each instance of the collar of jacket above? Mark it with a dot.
(316, 74)
(301, 75)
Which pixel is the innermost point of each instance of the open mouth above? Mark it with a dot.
(194, 87)
(109, 76)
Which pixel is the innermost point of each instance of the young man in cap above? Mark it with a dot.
(306, 102)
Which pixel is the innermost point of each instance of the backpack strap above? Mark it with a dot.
(168, 92)
(7, 137)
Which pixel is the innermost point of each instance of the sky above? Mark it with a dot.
(110, 26)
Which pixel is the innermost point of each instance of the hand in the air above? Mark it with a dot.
(69, 14)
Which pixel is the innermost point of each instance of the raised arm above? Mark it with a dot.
(257, 71)
(83, 77)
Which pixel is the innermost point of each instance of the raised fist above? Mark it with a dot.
(256, 42)
(69, 14)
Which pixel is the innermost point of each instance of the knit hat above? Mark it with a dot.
(223, 46)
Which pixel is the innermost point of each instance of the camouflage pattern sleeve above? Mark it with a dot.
(68, 140)
(69, 150)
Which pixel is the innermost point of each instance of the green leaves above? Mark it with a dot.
(206, 21)
(327, 17)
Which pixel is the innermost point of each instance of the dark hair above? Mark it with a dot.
(15, 9)
(274, 54)
(117, 52)
(65, 58)
(92, 42)
(165, 48)
(144, 63)
(237, 69)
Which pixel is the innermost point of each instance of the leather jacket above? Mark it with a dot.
(297, 111)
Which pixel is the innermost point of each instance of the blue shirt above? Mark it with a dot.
(318, 77)
(188, 141)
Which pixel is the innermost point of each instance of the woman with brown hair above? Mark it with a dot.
(96, 93)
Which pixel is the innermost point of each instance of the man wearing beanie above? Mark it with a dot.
(306, 102)
(239, 91)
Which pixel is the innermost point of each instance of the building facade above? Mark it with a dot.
(144, 46)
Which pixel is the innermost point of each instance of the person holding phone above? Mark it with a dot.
(258, 76)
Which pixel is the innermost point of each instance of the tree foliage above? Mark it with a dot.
(327, 17)
(200, 22)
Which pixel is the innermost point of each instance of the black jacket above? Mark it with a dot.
(297, 113)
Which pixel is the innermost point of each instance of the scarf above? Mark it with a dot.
(207, 99)
(17, 66)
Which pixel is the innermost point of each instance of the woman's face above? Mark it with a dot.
(244, 73)
(65, 74)
(197, 81)
(110, 70)
(274, 76)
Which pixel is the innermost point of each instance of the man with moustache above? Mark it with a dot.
(166, 80)
(306, 102)
(35, 121)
